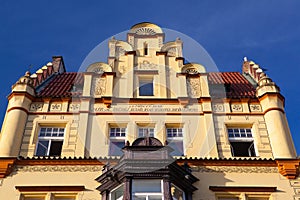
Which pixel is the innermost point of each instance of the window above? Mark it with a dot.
(50, 141)
(177, 193)
(175, 140)
(146, 87)
(241, 142)
(243, 196)
(147, 189)
(117, 193)
(145, 49)
(117, 140)
(146, 132)
(44, 196)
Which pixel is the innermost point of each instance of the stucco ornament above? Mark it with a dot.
(193, 87)
(99, 86)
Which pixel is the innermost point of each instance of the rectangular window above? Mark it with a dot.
(241, 142)
(117, 137)
(146, 132)
(147, 189)
(50, 141)
(175, 140)
(146, 87)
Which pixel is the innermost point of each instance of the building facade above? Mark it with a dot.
(146, 125)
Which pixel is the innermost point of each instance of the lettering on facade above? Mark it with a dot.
(143, 108)
(36, 107)
(236, 108)
(55, 107)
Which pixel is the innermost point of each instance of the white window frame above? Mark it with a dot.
(145, 128)
(176, 138)
(49, 138)
(116, 138)
(110, 198)
(147, 194)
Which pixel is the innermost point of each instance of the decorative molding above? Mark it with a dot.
(145, 31)
(59, 168)
(55, 107)
(36, 107)
(172, 52)
(193, 87)
(288, 168)
(218, 108)
(242, 189)
(50, 188)
(236, 107)
(255, 108)
(74, 107)
(99, 86)
(234, 169)
(146, 65)
(6, 166)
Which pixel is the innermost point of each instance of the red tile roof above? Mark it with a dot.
(232, 85)
(63, 85)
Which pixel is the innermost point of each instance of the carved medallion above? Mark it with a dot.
(236, 108)
(36, 107)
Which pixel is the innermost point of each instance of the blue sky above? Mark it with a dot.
(267, 32)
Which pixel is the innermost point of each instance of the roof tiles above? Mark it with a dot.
(222, 84)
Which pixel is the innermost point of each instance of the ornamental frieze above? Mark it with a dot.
(55, 168)
(218, 108)
(55, 107)
(236, 108)
(234, 169)
(255, 108)
(36, 107)
(74, 107)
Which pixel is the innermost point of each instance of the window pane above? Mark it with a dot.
(55, 148)
(115, 148)
(34, 198)
(177, 193)
(146, 186)
(144, 132)
(146, 88)
(42, 148)
(242, 149)
(177, 146)
(117, 194)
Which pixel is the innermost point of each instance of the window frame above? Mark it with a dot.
(242, 134)
(50, 139)
(147, 194)
(149, 132)
(145, 80)
(118, 139)
(176, 139)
